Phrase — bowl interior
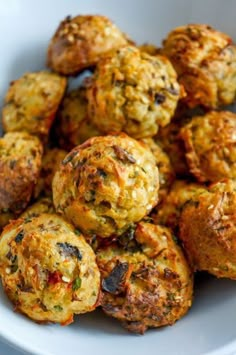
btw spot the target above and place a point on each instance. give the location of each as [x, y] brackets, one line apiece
[26, 27]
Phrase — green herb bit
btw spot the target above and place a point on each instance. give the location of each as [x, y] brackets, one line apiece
[58, 308]
[76, 284]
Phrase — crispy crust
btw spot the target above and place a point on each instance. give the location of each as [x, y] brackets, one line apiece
[205, 61]
[166, 171]
[50, 164]
[32, 101]
[106, 184]
[210, 145]
[79, 43]
[73, 125]
[48, 272]
[133, 92]
[208, 230]
[156, 288]
[169, 211]
[20, 163]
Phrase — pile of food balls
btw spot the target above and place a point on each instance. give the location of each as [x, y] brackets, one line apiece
[113, 194]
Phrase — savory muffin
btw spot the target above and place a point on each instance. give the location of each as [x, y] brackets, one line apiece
[146, 281]
[210, 145]
[42, 205]
[48, 271]
[166, 171]
[50, 164]
[80, 42]
[106, 184]
[20, 163]
[133, 92]
[168, 138]
[208, 230]
[205, 61]
[168, 212]
[73, 125]
[32, 101]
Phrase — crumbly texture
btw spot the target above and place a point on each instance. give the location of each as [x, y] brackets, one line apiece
[168, 138]
[106, 184]
[20, 163]
[73, 125]
[42, 205]
[205, 61]
[149, 48]
[51, 161]
[147, 281]
[166, 171]
[168, 213]
[210, 145]
[208, 230]
[80, 42]
[133, 92]
[48, 272]
[32, 101]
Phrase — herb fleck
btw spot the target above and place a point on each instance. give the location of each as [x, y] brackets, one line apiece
[58, 308]
[19, 237]
[76, 284]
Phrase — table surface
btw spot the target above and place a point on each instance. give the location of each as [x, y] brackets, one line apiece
[7, 350]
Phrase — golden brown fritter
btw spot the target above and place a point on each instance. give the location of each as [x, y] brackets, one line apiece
[48, 272]
[20, 163]
[32, 101]
[106, 184]
[208, 230]
[42, 205]
[210, 145]
[146, 281]
[149, 48]
[73, 125]
[168, 138]
[205, 61]
[168, 213]
[50, 164]
[80, 42]
[166, 171]
[133, 92]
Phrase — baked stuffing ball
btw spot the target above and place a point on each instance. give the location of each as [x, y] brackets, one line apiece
[73, 125]
[32, 101]
[208, 230]
[42, 205]
[48, 272]
[80, 42]
[169, 139]
[106, 184]
[133, 92]
[20, 163]
[205, 61]
[146, 281]
[50, 164]
[210, 145]
[166, 171]
[168, 213]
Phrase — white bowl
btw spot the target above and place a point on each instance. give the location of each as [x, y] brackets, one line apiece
[210, 327]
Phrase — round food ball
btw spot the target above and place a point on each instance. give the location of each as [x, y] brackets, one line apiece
[169, 211]
[43, 205]
[80, 42]
[166, 171]
[210, 145]
[208, 230]
[48, 272]
[73, 125]
[20, 163]
[205, 61]
[50, 164]
[31, 103]
[133, 92]
[146, 284]
[106, 184]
